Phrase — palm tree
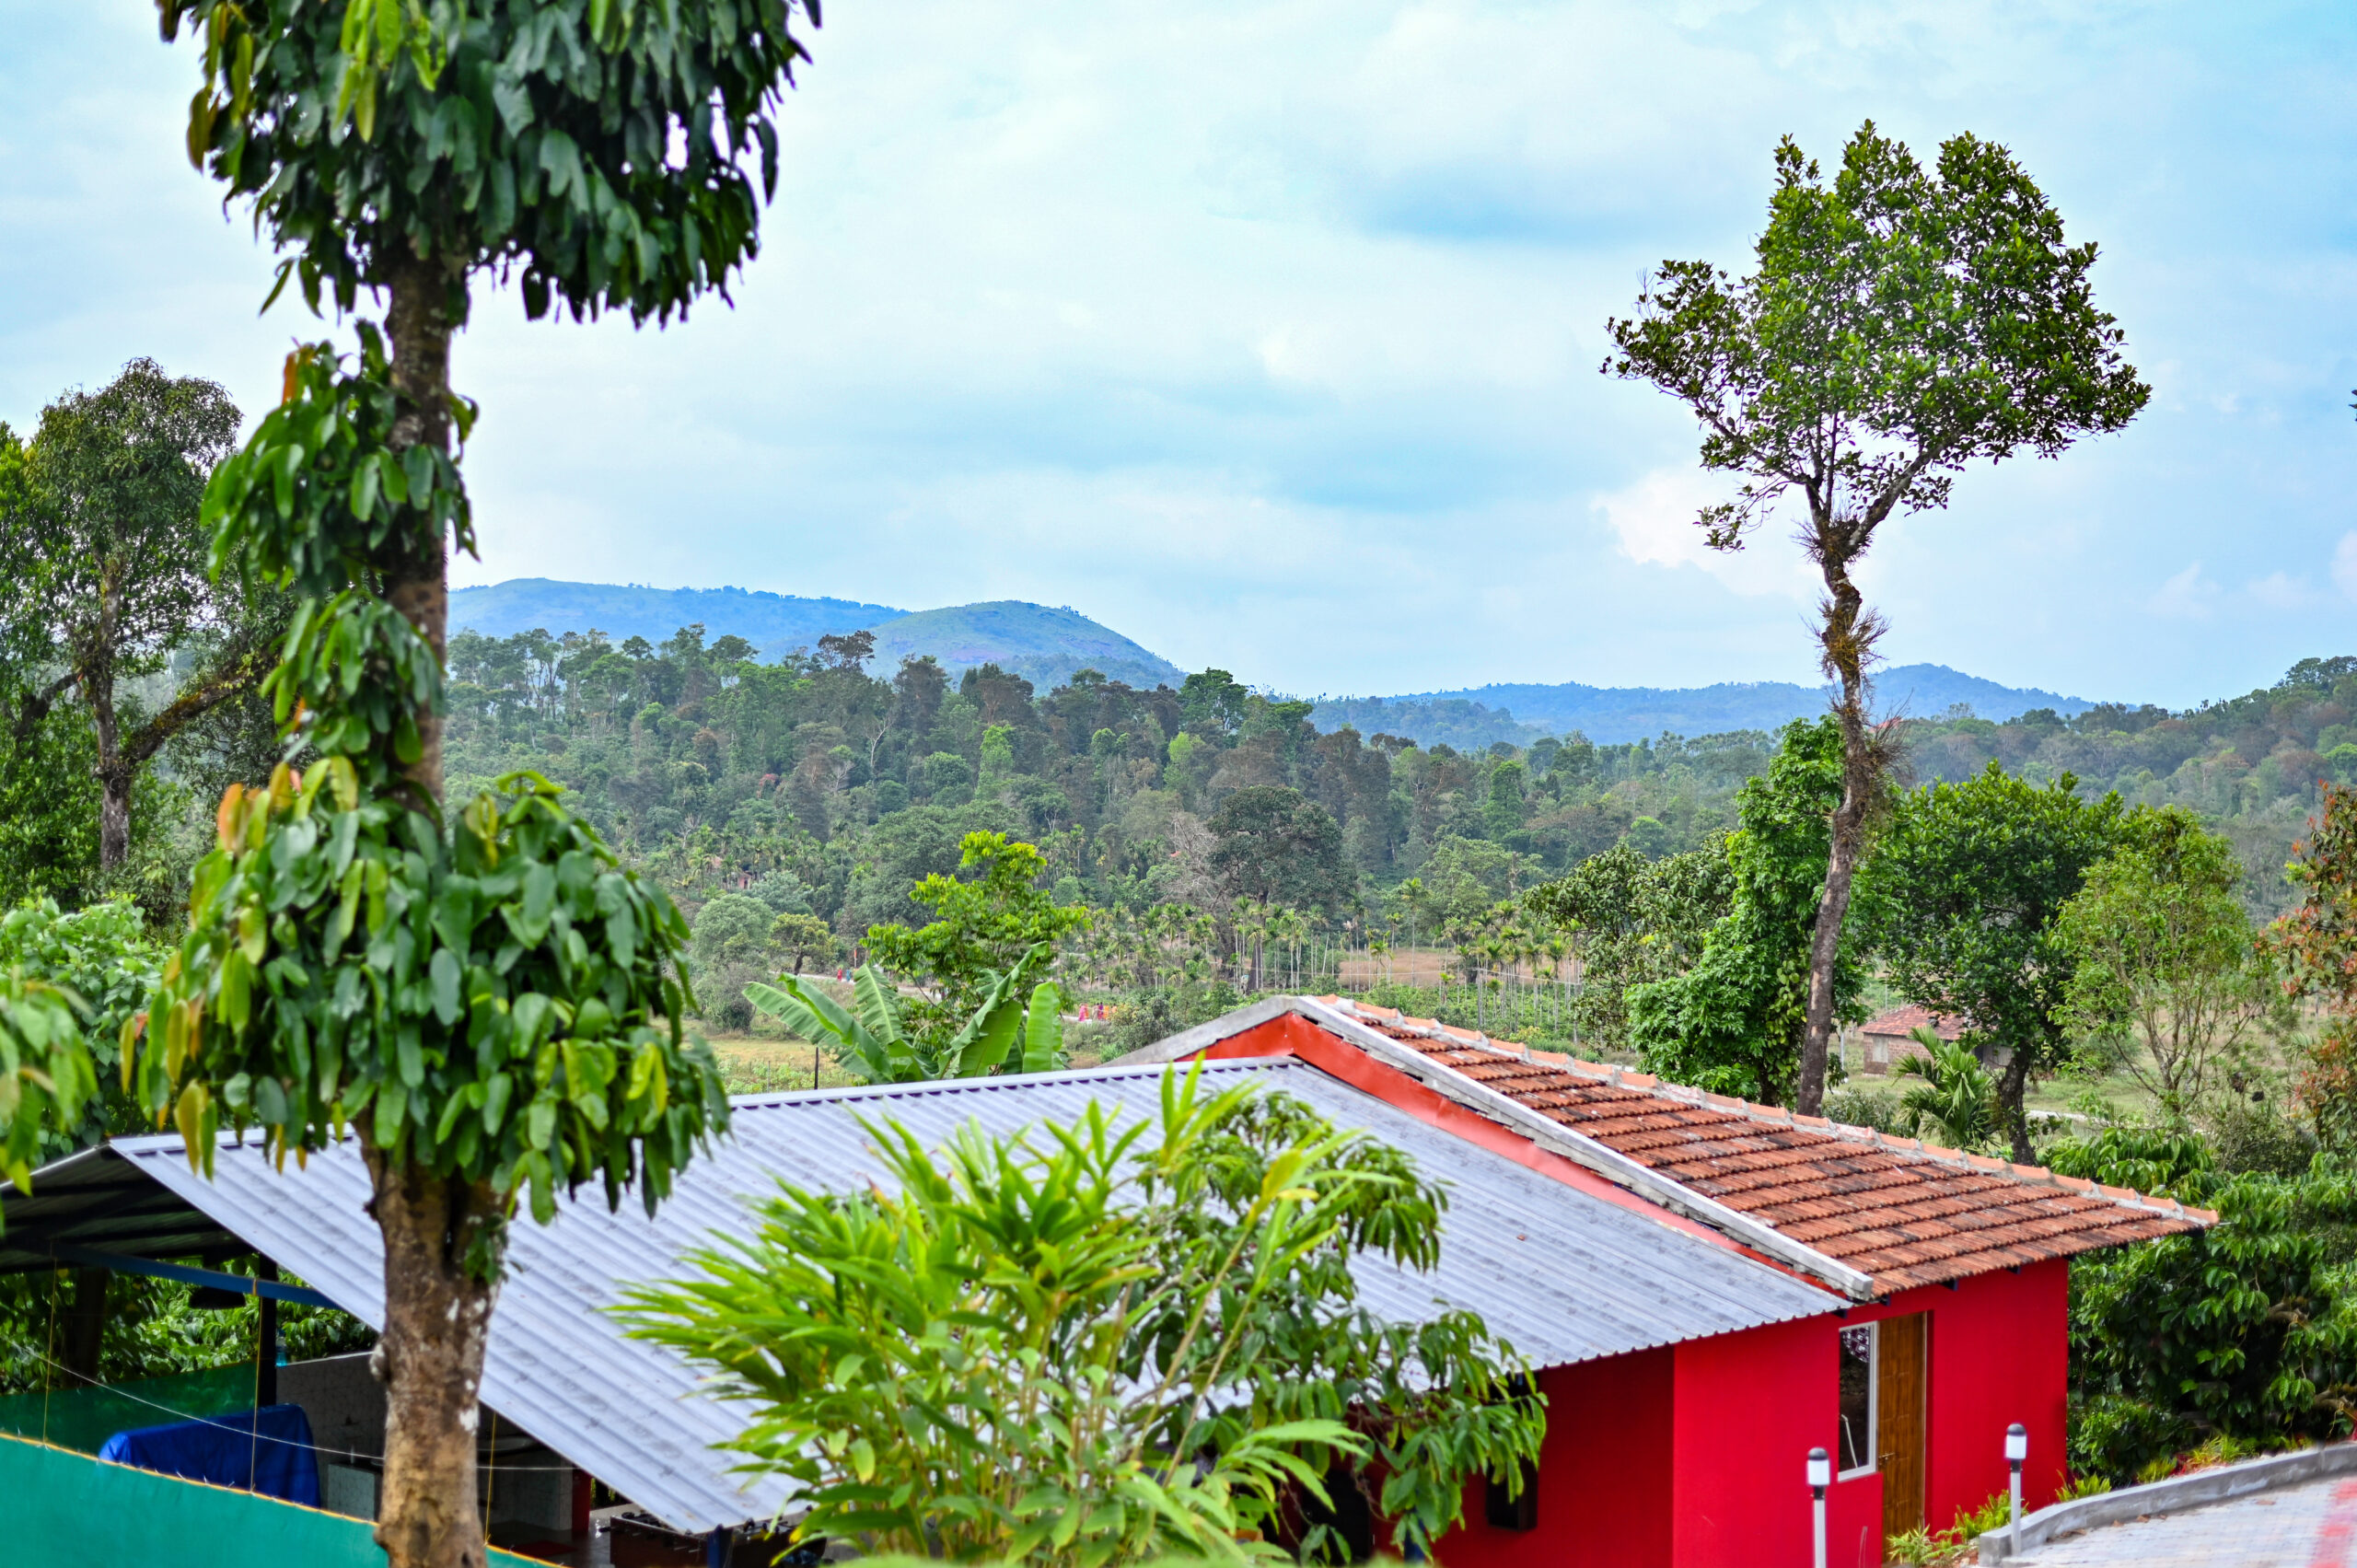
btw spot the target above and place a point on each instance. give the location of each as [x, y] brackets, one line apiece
[1957, 1094]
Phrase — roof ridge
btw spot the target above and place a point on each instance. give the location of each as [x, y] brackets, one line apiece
[1774, 1116]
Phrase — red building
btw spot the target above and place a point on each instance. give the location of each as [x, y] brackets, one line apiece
[1888, 1039]
[1944, 1278]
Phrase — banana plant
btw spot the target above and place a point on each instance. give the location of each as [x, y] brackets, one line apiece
[1006, 1034]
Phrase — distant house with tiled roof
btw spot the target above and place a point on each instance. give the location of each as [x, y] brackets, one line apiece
[1888, 1039]
[1944, 1278]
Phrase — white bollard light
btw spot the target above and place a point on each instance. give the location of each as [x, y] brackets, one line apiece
[1821, 1476]
[2017, 1450]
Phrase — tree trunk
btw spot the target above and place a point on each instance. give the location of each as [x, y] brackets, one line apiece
[2013, 1087]
[418, 322]
[437, 1321]
[1847, 641]
[94, 671]
[437, 1311]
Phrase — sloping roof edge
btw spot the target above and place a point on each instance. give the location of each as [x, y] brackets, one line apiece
[1581, 1150]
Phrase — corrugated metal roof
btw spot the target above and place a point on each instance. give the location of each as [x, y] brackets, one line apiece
[1564, 1276]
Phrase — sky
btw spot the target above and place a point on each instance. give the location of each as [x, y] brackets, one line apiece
[1269, 333]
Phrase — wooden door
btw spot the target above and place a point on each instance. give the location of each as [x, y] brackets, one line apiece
[1902, 1376]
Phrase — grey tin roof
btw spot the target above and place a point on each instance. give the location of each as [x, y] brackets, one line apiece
[1564, 1276]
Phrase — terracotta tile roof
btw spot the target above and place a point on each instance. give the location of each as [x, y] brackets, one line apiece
[1904, 1021]
[1906, 1213]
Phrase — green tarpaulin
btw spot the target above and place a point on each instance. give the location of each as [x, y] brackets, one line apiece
[66, 1510]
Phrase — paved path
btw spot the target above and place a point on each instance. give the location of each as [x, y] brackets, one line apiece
[2301, 1527]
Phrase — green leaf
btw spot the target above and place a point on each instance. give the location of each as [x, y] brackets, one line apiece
[1043, 1030]
[445, 974]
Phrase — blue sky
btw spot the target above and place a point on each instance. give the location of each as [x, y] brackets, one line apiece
[1268, 333]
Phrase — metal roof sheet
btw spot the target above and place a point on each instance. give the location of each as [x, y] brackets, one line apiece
[1564, 1276]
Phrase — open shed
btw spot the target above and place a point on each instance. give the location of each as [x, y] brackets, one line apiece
[1570, 1275]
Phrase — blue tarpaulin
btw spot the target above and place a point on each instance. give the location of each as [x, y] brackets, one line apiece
[271, 1455]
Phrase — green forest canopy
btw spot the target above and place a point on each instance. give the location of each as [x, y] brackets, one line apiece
[829, 790]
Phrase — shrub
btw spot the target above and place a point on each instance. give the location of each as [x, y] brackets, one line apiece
[1000, 1357]
[2243, 1332]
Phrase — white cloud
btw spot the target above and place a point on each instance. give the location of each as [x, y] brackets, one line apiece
[1654, 520]
[2189, 596]
[2281, 590]
[2344, 564]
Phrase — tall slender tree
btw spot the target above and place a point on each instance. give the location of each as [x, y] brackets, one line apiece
[1901, 323]
[483, 995]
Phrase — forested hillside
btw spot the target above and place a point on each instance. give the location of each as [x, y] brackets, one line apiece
[829, 787]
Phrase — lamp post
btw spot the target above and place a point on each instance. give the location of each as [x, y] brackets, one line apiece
[1821, 1476]
[2017, 1450]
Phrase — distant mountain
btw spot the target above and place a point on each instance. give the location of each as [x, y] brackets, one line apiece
[1042, 645]
[772, 623]
[1045, 647]
[1615, 714]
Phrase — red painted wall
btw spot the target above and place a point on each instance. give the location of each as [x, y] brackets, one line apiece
[1604, 1474]
[2001, 1350]
[1749, 1406]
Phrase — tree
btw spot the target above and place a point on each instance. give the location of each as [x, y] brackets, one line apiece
[2165, 981]
[1961, 902]
[1632, 920]
[508, 1019]
[987, 920]
[1736, 1022]
[803, 938]
[2317, 944]
[1900, 324]
[732, 929]
[101, 549]
[1065, 1310]
[1275, 846]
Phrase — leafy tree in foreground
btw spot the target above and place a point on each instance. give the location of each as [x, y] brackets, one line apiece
[1902, 323]
[2165, 979]
[482, 994]
[1019, 1354]
[102, 552]
[1736, 1022]
[1961, 902]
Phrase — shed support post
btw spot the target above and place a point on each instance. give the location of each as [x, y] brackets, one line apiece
[266, 1334]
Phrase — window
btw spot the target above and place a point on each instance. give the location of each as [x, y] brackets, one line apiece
[1857, 1440]
[1519, 1511]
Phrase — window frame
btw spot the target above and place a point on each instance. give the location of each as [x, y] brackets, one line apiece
[1873, 1403]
